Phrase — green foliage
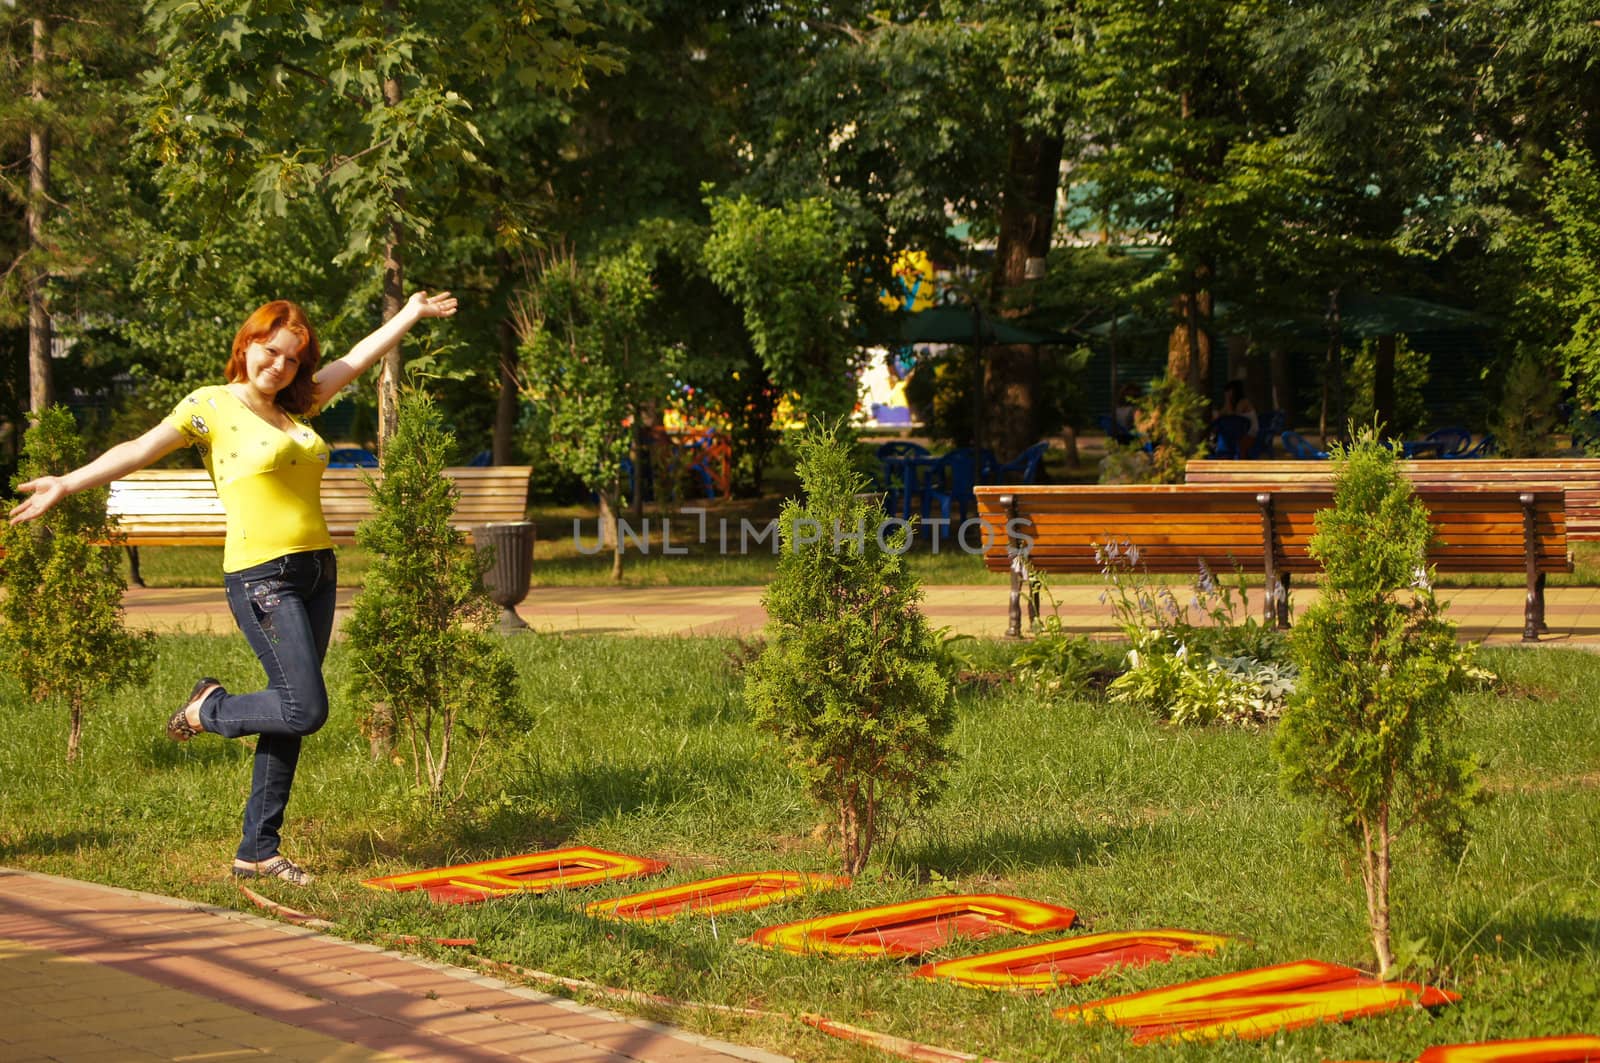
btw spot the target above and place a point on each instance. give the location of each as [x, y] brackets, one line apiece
[1221, 666]
[1530, 401]
[1172, 416]
[852, 682]
[61, 632]
[591, 361]
[1372, 733]
[788, 268]
[941, 389]
[1560, 303]
[428, 674]
[1410, 377]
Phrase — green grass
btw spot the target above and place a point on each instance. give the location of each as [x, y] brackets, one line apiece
[643, 746]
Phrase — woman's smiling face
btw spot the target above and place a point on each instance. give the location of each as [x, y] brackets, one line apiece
[272, 363]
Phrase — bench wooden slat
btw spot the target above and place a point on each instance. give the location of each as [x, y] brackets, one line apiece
[1579, 477]
[1478, 526]
[178, 507]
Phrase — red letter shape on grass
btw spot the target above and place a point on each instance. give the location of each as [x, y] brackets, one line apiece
[911, 928]
[1070, 960]
[1255, 1003]
[553, 869]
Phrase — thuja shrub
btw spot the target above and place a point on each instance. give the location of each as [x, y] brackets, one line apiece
[1372, 733]
[852, 681]
[61, 632]
[429, 676]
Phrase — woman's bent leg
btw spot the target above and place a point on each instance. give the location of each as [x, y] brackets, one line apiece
[285, 609]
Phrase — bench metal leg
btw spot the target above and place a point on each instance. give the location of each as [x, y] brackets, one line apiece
[1533, 607]
[133, 567]
[1019, 577]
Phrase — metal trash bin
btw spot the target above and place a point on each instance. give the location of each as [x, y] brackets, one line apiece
[510, 569]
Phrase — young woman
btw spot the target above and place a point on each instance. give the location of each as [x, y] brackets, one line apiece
[277, 559]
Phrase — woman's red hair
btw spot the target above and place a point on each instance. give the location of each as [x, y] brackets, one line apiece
[268, 319]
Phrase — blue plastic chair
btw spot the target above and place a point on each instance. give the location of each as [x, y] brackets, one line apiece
[352, 458]
[1022, 469]
[1271, 428]
[892, 486]
[1115, 432]
[949, 486]
[1300, 447]
[1486, 446]
[1228, 433]
[1444, 443]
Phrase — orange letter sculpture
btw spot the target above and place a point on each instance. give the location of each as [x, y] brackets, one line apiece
[1255, 1003]
[914, 927]
[553, 869]
[730, 893]
[1570, 1048]
[1070, 960]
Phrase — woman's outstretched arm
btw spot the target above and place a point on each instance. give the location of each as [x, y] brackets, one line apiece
[43, 493]
[335, 375]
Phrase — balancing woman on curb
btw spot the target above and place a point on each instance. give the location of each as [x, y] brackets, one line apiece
[277, 561]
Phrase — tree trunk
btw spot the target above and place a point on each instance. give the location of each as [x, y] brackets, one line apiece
[1383, 386]
[505, 411]
[1281, 392]
[1027, 220]
[394, 297]
[609, 526]
[1189, 344]
[75, 732]
[40, 391]
[1375, 877]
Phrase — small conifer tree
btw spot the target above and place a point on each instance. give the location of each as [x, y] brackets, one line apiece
[428, 673]
[1372, 732]
[852, 681]
[61, 631]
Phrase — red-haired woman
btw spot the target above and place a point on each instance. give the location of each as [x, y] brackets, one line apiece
[278, 562]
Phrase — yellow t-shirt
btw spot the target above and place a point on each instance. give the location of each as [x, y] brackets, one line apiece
[269, 480]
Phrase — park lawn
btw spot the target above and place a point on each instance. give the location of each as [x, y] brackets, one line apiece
[644, 746]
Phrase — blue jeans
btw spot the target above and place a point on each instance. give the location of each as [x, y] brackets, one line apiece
[285, 609]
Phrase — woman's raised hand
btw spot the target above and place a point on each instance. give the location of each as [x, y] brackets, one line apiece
[42, 493]
[441, 305]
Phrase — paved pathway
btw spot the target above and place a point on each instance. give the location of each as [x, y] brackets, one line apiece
[93, 973]
[1491, 614]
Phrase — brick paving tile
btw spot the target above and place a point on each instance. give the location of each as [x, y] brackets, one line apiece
[139, 975]
[456, 1022]
[576, 1053]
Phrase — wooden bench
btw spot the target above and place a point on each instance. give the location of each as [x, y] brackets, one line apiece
[179, 507]
[1580, 477]
[1175, 527]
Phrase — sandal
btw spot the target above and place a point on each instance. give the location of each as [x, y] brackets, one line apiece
[179, 729]
[274, 867]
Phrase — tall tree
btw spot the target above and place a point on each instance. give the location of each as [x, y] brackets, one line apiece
[1169, 99]
[263, 104]
[62, 72]
[591, 359]
[788, 269]
[898, 115]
